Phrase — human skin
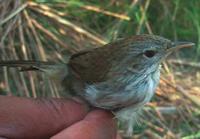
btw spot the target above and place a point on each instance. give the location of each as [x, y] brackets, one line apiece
[22, 118]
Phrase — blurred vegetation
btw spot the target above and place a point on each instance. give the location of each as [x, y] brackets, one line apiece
[51, 29]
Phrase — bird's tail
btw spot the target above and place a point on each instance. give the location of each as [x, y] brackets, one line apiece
[53, 69]
[26, 65]
[35, 65]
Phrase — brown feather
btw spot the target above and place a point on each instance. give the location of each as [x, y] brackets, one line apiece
[26, 65]
[92, 65]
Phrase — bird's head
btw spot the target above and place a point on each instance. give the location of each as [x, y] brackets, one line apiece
[145, 51]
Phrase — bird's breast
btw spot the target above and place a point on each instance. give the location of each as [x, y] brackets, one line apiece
[120, 93]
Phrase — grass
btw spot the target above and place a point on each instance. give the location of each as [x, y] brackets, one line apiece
[50, 30]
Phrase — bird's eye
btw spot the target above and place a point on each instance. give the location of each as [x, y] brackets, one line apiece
[149, 53]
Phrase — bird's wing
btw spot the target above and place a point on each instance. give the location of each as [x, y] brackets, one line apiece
[91, 65]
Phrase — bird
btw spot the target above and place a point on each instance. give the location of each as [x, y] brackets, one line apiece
[120, 76]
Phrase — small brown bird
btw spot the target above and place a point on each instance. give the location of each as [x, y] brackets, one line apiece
[120, 76]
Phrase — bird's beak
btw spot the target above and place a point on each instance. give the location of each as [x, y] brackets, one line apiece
[179, 45]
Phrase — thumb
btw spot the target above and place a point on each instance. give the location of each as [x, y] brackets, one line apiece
[37, 118]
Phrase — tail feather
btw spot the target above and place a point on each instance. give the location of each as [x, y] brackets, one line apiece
[26, 65]
[56, 71]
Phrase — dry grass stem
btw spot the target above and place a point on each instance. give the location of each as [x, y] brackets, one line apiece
[68, 24]
[15, 12]
[39, 47]
[99, 10]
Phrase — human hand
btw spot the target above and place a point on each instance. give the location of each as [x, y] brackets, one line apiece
[24, 118]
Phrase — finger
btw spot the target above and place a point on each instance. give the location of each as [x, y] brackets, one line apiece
[97, 124]
[37, 118]
[118, 136]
